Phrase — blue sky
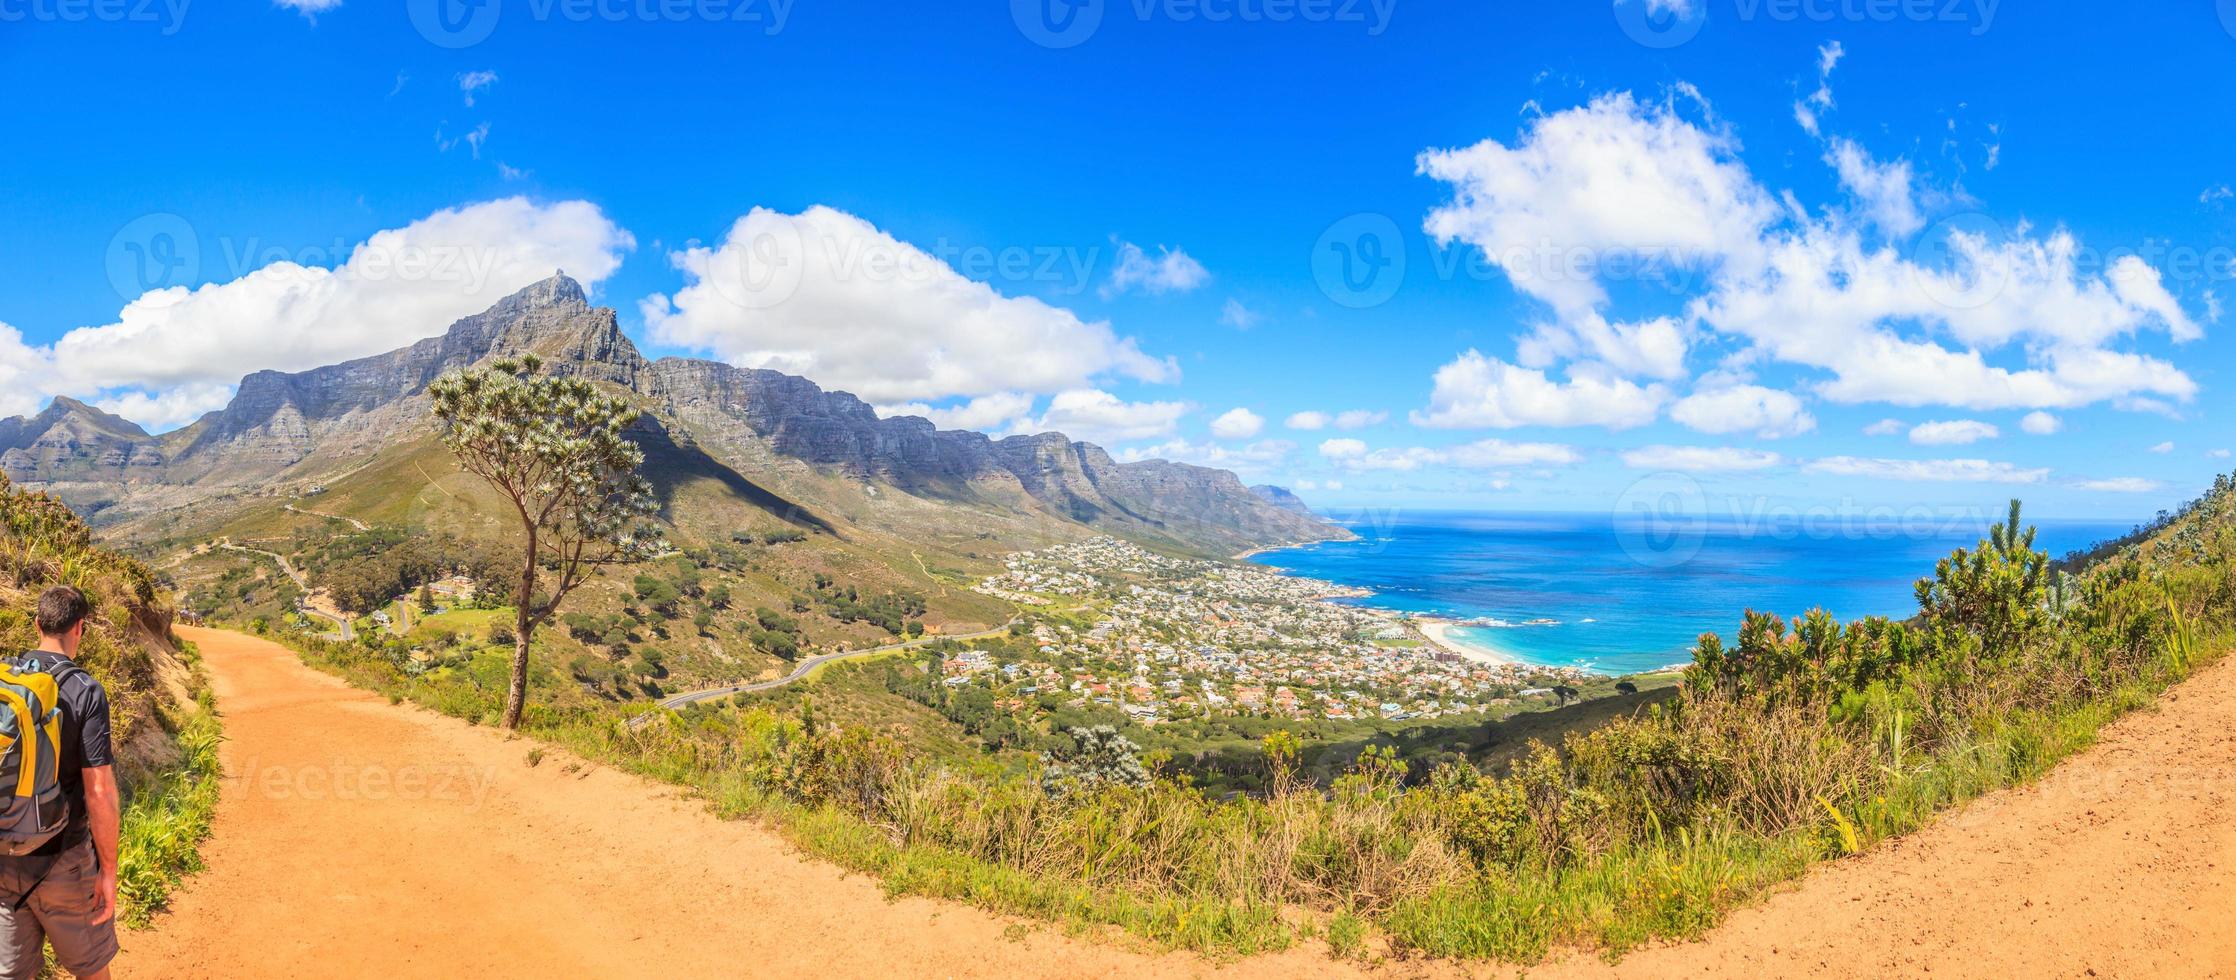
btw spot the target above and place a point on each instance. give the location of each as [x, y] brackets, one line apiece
[2084, 157]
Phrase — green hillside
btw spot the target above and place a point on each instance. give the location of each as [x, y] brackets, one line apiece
[165, 730]
[689, 620]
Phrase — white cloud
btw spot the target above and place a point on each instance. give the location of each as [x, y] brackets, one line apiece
[2121, 484]
[1767, 412]
[1169, 271]
[2215, 194]
[1489, 454]
[2040, 424]
[310, 9]
[1955, 432]
[23, 370]
[1000, 410]
[1608, 176]
[1929, 470]
[1699, 459]
[475, 81]
[172, 350]
[1238, 423]
[2163, 448]
[1093, 415]
[1824, 300]
[2217, 453]
[167, 409]
[1808, 110]
[1977, 315]
[1486, 454]
[1256, 458]
[1348, 420]
[1828, 56]
[1885, 427]
[1654, 348]
[473, 139]
[826, 295]
[1238, 316]
[1478, 392]
[1883, 189]
[1343, 448]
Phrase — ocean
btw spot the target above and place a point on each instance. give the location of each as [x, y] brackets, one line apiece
[1622, 596]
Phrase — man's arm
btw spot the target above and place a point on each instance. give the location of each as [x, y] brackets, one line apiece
[101, 810]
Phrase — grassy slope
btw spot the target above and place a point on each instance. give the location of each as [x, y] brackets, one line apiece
[164, 726]
[417, 487]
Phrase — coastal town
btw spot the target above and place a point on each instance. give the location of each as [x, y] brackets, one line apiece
[1167, 639]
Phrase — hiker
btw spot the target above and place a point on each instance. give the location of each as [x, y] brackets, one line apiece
[61, 889]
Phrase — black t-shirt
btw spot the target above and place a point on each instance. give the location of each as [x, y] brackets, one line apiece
[85, 744]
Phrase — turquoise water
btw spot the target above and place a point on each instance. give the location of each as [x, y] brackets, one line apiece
[1624, 596]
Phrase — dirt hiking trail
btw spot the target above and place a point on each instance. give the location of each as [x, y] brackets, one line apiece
[359, 838]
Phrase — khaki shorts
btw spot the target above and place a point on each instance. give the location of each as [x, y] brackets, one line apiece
[60, 911]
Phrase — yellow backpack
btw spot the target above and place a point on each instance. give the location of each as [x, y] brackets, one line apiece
[32, 808]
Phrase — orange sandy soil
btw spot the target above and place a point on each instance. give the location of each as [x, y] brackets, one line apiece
[357, 838]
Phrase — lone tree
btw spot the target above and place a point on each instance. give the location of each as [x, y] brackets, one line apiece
[553, 447]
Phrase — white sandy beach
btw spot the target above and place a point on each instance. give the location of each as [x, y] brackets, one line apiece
[1438, 631]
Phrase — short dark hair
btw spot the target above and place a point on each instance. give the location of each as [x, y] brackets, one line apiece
[60, 608]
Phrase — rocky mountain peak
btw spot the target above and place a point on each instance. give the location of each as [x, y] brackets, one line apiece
[558, 291]
[69, 413]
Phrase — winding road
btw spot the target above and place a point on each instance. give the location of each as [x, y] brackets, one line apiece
[351, 521]
[806, 667]
[303, 605]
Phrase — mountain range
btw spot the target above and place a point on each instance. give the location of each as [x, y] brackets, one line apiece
[812, 458]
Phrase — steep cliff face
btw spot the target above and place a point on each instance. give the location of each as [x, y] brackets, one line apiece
[291, 424]
[1282, 498]
[277, 419]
